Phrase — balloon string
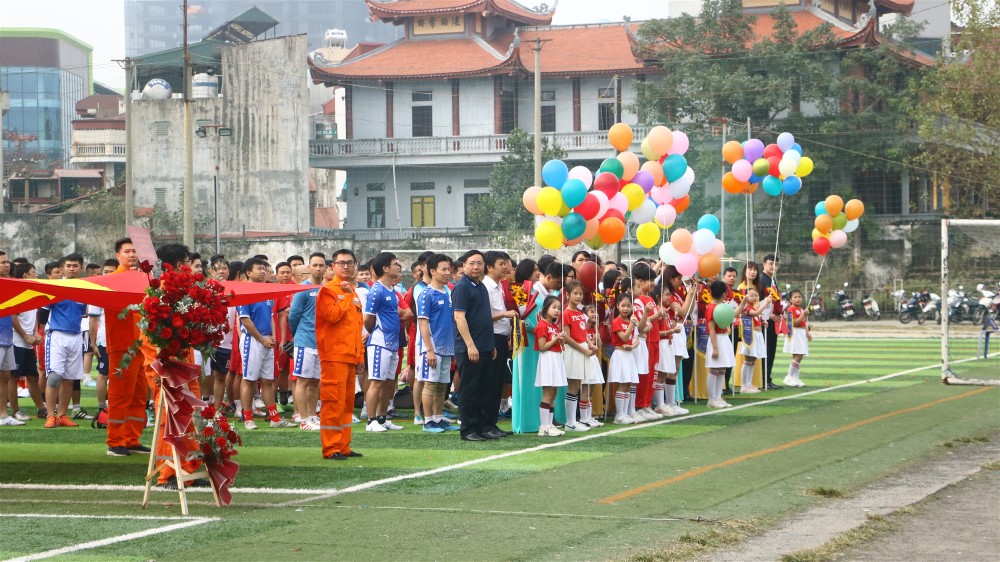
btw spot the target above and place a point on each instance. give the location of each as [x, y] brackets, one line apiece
[777, 237]
[817, 276]
[746, 226]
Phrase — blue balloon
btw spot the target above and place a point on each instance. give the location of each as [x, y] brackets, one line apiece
[711, 222]
[791, 185]
[754, 178]
[573, 226]
[821, 208]
[674, 167]
[573, 192]
[772, 186]
[555, 172]
[796, 148]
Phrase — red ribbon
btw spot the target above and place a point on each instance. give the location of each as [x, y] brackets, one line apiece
[223, 474]
[180, 402]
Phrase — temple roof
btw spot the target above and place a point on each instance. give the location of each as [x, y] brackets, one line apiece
[394, 10]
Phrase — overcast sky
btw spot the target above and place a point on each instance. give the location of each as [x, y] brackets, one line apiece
[101, 23]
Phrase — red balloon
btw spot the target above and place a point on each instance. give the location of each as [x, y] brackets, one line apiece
[589, 275]
[614, 213]
[772, 150]
[607, 182]
[681, 205]
[821, 245]
[588, 209]
[774, 161]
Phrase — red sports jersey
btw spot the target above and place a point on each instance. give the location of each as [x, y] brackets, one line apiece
[576, 321]
[709, 312]
[666, 324]
[619, 325]
[797, 313]
[653, 336]
[547, 330]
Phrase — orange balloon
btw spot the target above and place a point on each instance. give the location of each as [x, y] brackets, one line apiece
[834, 204]
[854, 209]
[750, 188]
[733, 185]
[732, 151]
[824, 223]
[593, 228]
[681, 240]
[630, 162]
[709, 265]
[612, 230]
[660, 139]
[529, 199]
[681, 205]
[620, 136]
[656, 169]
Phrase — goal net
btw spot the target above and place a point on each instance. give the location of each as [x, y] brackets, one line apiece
[970, 299]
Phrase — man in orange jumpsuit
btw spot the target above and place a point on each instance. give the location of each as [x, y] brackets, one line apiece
[338, 339]
[127, 388]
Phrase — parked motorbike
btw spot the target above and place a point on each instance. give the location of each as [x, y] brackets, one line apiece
[907, 309]
[985, 304]
[818, 309]
[846, 306]
[871, 306]
[961, 306]
[930, 307]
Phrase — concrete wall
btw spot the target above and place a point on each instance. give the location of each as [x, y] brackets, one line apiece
[263, 166]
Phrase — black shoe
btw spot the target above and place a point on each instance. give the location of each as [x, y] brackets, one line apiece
[199, 483]
[337, 457]
[118, 452]
[473, 437]
[354, 454]
[170, 484]
[139, 450]
[772, 386]
[502, 432]
[492, 434]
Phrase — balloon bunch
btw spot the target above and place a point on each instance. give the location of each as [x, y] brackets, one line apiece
[699, 251]
[834, 220]
[579, 206]
[777, 168]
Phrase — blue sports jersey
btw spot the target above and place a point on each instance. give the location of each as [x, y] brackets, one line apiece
[6, 331]
[65, 316]
[260, 313]
[383, 304]
[435, 306]
[302, 317]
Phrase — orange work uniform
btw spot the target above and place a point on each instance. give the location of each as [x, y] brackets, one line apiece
[338, 339]
[127, 388]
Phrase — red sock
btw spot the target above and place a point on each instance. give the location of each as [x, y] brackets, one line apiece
[247, 415]
[272, 413]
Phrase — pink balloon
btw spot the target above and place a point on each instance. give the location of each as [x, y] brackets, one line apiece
[602, 198]
[593, 227]
[680, 144]
[838, 238]
[660, 195]
[686, 264]
[742, 170]
[666, 215]
[583, 174]
[619, 202]
[719, 249]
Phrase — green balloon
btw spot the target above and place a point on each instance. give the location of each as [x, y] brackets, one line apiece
[723, 315]
[761, 167]
[614, 166]
[839, 221]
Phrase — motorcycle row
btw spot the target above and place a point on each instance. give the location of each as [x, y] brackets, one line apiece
[962, 307]
[844, 305]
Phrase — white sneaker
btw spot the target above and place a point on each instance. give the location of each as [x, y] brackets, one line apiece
[364, 412]
[281, 423]
[799, 383]
[258, 413]
[624, 420]
[249, 424]
[389, 425]
[375, 427]
[578, 426]
[641, 416]
[23, 393]
[89, 382]
[749, 390]
[664, 410]
[258, 403]
[679, 410]
[355, 419]
[418, 420]
[725, 404]
[713, 403]
[21, 416]
[10, 420]
[297, 418]
[593, 423]
[553, 431]
[653, 415]
[308, 425]
[789, 381]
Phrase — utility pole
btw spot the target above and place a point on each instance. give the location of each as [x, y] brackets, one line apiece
[538, 127]
[188, 198]
[129, 186]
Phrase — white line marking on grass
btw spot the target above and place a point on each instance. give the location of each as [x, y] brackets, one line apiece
[393, 479]
[508, 513]
[130, 488]
[185, 523]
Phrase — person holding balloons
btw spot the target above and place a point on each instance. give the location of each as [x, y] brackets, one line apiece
[752, 345]
[798, 338]
[719, 354]
[681, 301]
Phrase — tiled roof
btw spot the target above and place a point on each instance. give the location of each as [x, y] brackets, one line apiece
[417, 59]
[904, 7]
[81, 174]
[580, 49]
[394, 9]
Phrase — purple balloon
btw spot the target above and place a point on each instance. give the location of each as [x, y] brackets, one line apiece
[644, 179]
[752, 150]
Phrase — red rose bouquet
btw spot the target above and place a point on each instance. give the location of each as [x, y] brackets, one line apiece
[218, 440]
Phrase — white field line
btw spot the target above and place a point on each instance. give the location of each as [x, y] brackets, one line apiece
[187, 522]
[325, 493]
[508, 513]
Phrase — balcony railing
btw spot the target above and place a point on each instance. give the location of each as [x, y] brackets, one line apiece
[98, 150]
[485, 144]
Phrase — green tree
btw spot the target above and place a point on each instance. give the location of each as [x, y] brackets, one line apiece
[959, 113]
[501, 209]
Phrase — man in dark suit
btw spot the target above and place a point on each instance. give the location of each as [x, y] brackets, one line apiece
[770, 265]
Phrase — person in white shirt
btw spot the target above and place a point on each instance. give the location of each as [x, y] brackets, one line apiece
[497, 267]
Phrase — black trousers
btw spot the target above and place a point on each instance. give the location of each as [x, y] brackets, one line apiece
[772, 348]
[481, 386]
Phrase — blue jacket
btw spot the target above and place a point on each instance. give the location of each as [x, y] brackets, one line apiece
[302, 317]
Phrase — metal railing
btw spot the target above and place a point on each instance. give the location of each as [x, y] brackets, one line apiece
[89, 150]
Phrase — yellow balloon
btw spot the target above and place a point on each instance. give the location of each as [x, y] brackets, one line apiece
[818, 234]
[564, 210]
[805, 167]
[647, 234]
[549, 235]
[549, 201]
[635, 195]
[648, 152]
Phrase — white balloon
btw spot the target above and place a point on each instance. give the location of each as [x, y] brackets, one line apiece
[668, 253]
[644, 213]
[785, 141]
[688, 177]
[792, 155]
[719, 249]
[678, 190]
[583, 174]
[787, 167]
[851, 226]
[703, 240]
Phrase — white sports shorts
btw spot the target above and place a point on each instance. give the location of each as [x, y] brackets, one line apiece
[306, 363]
[258, 361]
[64, 355]
[382, 363]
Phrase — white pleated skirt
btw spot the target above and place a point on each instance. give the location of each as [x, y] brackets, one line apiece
[680, 344]
[594, 374]
[576, 364]
[757, 349]
[726, 358]
[551, 370]
[622, 367]
[667, 363]
[641, 356]
[797, 343]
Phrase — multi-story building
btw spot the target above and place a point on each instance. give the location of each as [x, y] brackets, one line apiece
[155, 25]
[99, 137]
[45, 72]
[427, 116]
